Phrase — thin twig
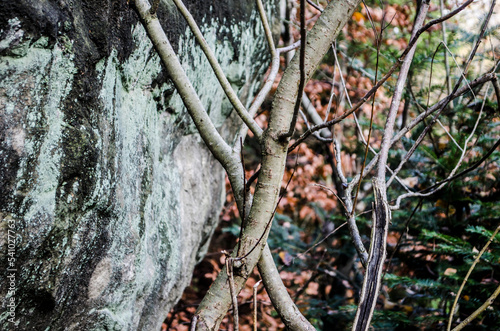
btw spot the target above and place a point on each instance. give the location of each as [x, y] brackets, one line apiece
[422, 110]
[252, 178]
[275, 65]
[478, 81]
[315, 274]
[255, 287]
[267, 29]
[229, 270]
[446, 64]
[302, 81]
[333, 192]
[360, 132]
[460, 174]
[419, 204]
[449, 135]
[275, 62]
[382, 80]
[479, 310]
[457, 85]
[458, 65]
[315, 134]
[434, 188]
[353, 227]
[338, 161]
[378, 39]
[322, 240]
[315, 117]
[214, 141]
[273, 72]
[476, 260]
[398, 93]
[194, 322]
[243, 214]
[463, 149]
[289, 48]
[285, 306]
[273, 213]
[315, 6]
[382, 215]
[224, 82]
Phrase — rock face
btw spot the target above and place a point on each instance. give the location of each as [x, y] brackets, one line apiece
[108, 197]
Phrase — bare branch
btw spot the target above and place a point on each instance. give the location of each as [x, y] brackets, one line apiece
[289, 48]
[207, 130]
[428, 127]
[478, 81]
[322, 240]
[271, 274]
[382, 80]
[353, 227]
[360, 132]
[378, 250]
[398, 92]
[460, 174]
[378, 39]
[217, 301]
[449, 135]
[215, 143]
[234, 295]
[315, 6]
[446, 64]
[315, 134]
[286, 308]
[348, 205]
[338, 161]
[381, 213]
[313, 114]
[194, 323]
[398, 244]
[434, 188]
[255, 286]
[267, 29]
[335, 194]
[476, 260]
[226, 86]
[302, 81]
[459, 162]
[275, 63]
[479, 310]
[363, 140]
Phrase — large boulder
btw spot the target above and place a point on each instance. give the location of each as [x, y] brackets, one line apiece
[108, 197]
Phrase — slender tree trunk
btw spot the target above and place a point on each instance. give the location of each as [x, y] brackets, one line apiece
[274, 151]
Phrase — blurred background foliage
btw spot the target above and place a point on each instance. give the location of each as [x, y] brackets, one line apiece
[433, 240]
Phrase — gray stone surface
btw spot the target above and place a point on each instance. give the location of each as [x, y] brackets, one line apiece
[110, 194]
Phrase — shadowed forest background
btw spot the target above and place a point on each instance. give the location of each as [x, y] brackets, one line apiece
[432, 240]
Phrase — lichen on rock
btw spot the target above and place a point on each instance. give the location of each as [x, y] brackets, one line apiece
[113, 195]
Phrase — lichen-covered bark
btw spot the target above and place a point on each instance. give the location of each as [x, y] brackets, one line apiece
[113, 196]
